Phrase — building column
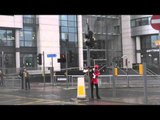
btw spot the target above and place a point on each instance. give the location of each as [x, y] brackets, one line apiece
[138, 47]
[80, 42]
[17, 32]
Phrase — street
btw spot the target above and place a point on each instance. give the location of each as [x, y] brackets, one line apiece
[56, 95]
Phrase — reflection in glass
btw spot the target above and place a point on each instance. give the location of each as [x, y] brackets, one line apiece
[64, 23]
[69, 27]
[71, 17]
[64, 29]
[63, 17]
[2, 34]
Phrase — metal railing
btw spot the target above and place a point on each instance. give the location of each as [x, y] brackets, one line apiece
[105, 81]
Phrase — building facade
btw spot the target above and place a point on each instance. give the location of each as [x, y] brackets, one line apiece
[22, 37]
[144, 36]
[107, 32]
[121, 40]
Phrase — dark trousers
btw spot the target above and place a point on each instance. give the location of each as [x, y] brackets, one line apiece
[22, 85]
[92, 90]
[1, 82]
[27, 83]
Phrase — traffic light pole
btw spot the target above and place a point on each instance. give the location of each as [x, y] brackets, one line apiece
[66, 54]
[2, 61]
[88, 65]
[52, 73]
[44, 70]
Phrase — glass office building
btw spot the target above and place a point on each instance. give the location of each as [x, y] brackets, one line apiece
[107, 32]
[22, 37]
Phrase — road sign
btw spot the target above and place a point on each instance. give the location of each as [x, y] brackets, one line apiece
[155, 22]
[51, 55]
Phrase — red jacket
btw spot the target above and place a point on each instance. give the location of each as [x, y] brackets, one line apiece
[95, 75]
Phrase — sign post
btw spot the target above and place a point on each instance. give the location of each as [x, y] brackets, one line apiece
[52, 68]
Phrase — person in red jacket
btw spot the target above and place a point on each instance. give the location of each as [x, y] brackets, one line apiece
[94, 81]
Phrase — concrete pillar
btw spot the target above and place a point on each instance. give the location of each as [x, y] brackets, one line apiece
[80, 42]
[17, 41]
[138, 47]
[128, 43]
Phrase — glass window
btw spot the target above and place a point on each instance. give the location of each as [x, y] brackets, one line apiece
[28, 16]
[28, 28]
[21, 43]
[28, 21]
[133, 23]
[28, 60]
[28, 43]
[3, 34]
[145, 21]
[149, 19]
[6, 37]
[75, 38]
[21, 35]
[64, 23]
[28, 35]
[138, 22]
[63, 36]
[33, 36]
[10, 35]
[71, 17]
[148, 43]
[9, 43]
[72, 29]
[68, 26]
[63, 17]
[71, 37]
[71, 24]
[153, 39]
[64, 29]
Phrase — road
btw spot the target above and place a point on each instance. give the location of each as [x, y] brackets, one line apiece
[53, 95]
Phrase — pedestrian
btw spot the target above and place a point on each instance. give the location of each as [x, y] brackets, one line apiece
[94, 81]
[1, 78]
[26, 79]
[22, 79]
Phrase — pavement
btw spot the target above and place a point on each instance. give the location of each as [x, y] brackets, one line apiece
[62, 95]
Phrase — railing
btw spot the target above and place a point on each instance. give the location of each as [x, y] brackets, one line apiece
[106, 81]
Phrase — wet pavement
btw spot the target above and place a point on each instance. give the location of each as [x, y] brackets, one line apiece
[56, 95]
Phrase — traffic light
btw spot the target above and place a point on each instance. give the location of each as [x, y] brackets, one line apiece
[71, 56]
[90, 39]
[62, 58]
[39, 59]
